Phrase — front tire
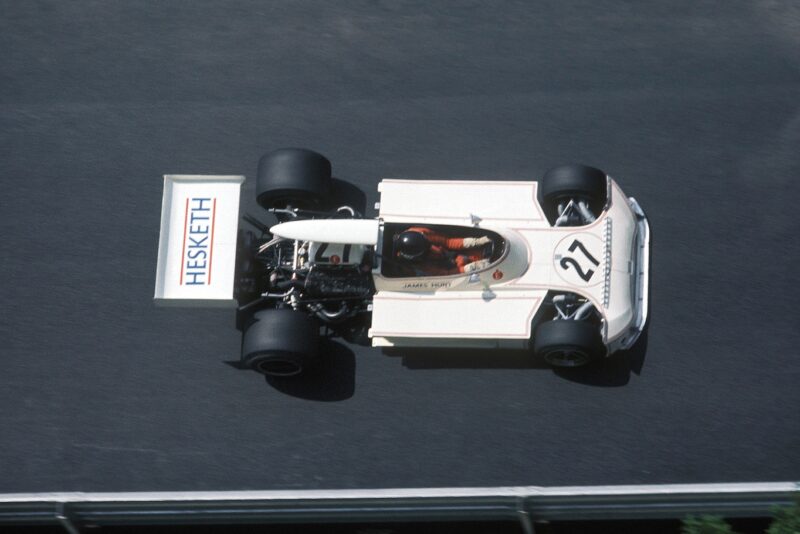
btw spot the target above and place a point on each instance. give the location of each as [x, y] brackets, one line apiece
[281, 343]
[292, 177]
[574, 182]
[568, 343]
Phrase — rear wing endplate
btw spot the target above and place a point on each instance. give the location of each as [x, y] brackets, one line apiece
[197, 243]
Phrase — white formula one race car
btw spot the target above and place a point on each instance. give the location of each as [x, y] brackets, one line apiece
[559, 266]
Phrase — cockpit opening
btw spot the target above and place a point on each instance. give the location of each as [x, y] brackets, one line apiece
[417, 250]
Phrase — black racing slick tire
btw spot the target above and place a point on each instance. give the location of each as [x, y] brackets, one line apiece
[292, 176]
[568, 343]
[574, 182]
[280, 342]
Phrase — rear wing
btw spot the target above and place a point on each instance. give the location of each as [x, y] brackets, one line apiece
[197, 243]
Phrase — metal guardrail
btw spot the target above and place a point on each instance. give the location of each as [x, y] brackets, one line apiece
[526, 504]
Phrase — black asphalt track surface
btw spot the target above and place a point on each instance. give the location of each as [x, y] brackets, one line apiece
[692, 106]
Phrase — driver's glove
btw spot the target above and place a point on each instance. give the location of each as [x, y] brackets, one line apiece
[474, 242]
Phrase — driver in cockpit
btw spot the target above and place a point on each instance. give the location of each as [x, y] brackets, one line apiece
[430, 253]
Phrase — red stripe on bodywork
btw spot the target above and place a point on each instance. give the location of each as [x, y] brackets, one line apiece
[183, 247]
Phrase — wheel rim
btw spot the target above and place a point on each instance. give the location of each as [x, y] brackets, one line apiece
[278, 367]
[567, 357]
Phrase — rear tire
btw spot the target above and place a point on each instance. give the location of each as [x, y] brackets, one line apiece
[568, 343]
[292, 176]
[281, 343]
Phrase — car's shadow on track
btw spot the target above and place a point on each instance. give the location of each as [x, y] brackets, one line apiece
[614, 371]
[610, 372]
[333, 379]
[465, 359]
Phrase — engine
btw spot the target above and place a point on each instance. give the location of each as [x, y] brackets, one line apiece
[352, 282]
[330, 281]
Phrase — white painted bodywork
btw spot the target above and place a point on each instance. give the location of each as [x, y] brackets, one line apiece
[197, 242]
[488, 310]
[501, 204]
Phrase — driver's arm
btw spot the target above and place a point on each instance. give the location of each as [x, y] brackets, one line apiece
[452, 243]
